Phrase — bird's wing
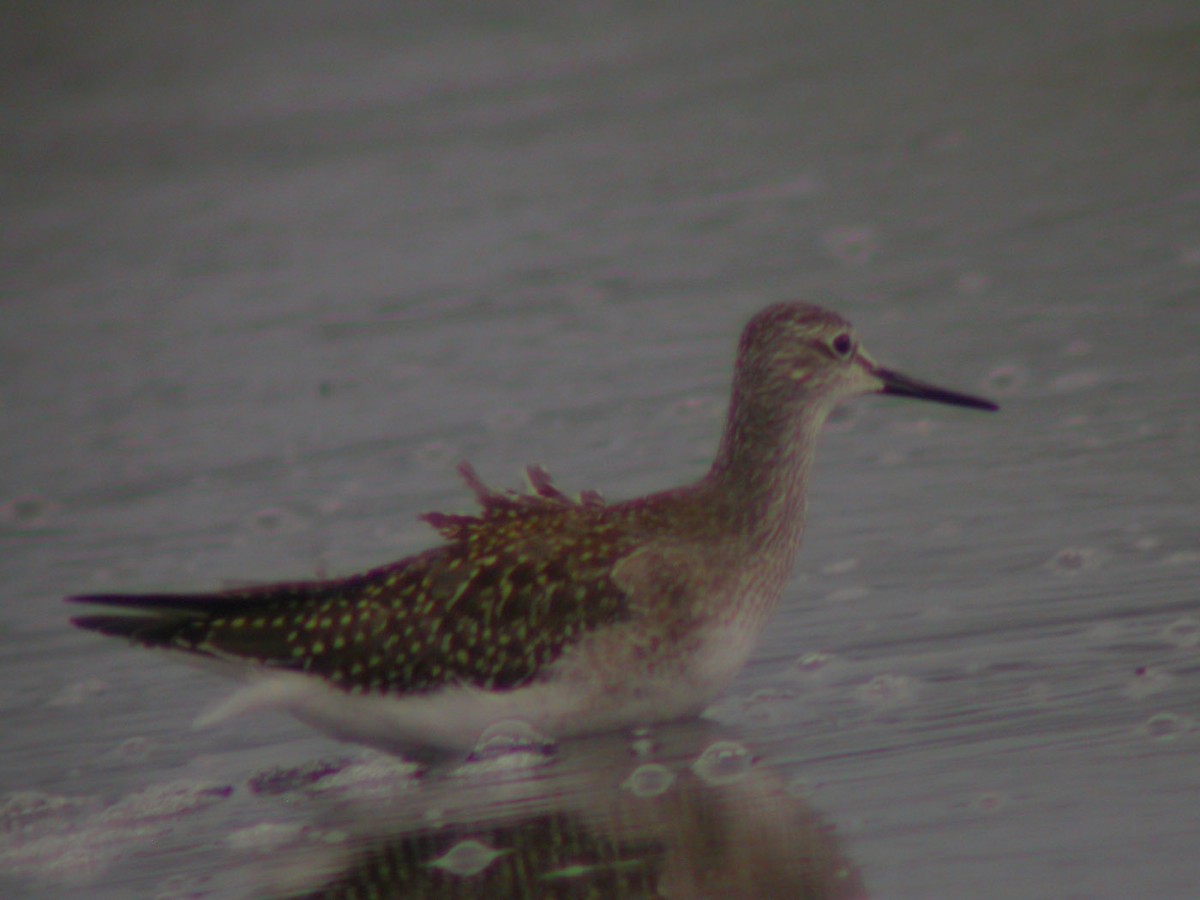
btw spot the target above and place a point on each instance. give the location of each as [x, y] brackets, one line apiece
[503, 597]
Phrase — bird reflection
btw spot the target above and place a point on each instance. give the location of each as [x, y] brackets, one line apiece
[599, 821]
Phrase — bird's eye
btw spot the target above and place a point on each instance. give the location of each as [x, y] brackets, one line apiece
[842, 345]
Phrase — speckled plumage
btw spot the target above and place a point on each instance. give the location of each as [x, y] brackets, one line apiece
[572, 613]
[489, 607]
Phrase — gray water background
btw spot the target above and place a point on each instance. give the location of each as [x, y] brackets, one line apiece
[270, 270]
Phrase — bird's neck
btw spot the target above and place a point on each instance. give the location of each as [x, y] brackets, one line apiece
[759, 478]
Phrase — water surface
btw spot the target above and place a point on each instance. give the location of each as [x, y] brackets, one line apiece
[270, 271]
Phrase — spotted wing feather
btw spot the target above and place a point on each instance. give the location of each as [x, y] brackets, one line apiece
[505, 596]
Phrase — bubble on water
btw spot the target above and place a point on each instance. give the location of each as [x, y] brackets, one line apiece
[1184, 632]
[279, 780]
[273, 518]
[854, 245]
[73, 837]
[723, 762]
[1075, 381]
[1166, 726]
[510, 736]
[946, 141]
[1105, 633]
[506, 418]
[1006, 380]
[972, 283]
[164, 801]
[699, 408]
[840, 567]
[803, 185]
[847, 594]
[467, 858]
[649, 780]
[27, 511]
[135, 749]
[25, 812]
[817, 668]
[727, 711]
[888, 691]
[373, 777]
[1039, 694]
[436, 455]
[642, 743]
[506, 745]
[811, 663]
[921, 427]
[1146, 682]
[588, 298]
[763, 714]
[184, 887]
[843, 419]
[265, 836]
[1077, 347]
[1074, 560]
[939, 612]
[79, 693]
[331, 506]
[989, 802]
[768, 706]
[1145, 542]
[800, 788]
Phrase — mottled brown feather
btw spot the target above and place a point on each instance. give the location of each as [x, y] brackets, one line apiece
[511, 588]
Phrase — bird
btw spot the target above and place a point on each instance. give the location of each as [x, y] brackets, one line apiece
[566, 614]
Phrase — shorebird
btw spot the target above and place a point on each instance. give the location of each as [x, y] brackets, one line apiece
[568, 614]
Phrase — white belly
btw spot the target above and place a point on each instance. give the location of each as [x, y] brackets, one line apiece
[595, 688]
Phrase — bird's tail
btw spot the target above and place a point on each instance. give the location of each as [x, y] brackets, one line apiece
[155, 620]
[235, 622]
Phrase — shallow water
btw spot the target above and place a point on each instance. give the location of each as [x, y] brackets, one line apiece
[269, 272]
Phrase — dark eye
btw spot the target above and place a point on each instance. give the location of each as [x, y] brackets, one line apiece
[842, 345]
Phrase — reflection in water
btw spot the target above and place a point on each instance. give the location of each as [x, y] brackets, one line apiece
[670, 812]
[599, 823]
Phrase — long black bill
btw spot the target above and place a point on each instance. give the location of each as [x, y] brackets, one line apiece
[903, 386]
